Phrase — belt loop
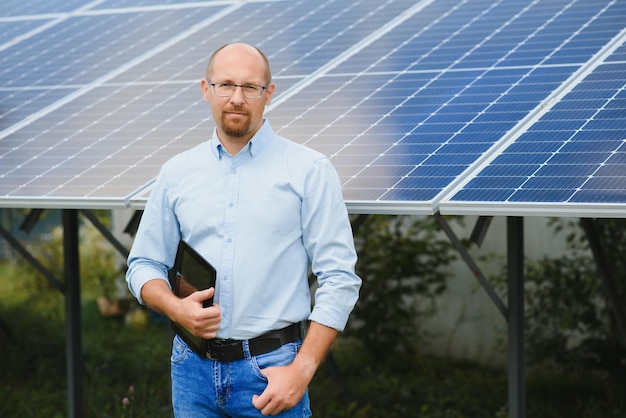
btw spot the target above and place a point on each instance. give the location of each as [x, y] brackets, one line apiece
[245, 345]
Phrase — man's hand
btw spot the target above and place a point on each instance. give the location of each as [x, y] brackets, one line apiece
[287, 384]
[188, 312]
[285, 388]
[200, 321]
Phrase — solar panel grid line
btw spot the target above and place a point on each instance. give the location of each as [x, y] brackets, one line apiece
[115, 72]
[91, 9]
[58, 15]
[118, 150]
[56, 19]
[88, 168]
[392, 78]
[170, 6]
[34, 17]
[329, 39]
[467, 53]
[582, 148]
[42, 28]
[382, 58]
[324, 70]
[575, 79]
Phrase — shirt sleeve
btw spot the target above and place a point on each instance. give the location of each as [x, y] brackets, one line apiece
[328, 238]
[156, 242]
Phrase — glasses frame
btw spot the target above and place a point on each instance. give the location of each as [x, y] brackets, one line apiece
[241, 86]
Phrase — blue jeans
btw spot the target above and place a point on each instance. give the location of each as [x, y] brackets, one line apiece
[203, 388]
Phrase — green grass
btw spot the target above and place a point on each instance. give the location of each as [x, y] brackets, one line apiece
[118, 357]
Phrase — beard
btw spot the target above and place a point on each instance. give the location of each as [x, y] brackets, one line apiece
[237, 127]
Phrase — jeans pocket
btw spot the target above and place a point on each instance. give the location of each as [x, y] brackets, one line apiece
[180, 351]
[282, 356]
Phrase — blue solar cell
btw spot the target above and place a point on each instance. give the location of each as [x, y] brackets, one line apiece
[412, 149]
[602, 124]
[482, 195]
[434, 183]
[552, 195]
[489, 127]
[618, 104]
[488, 138]
[607, 183]
[599, 196]
[616, 168]
[410, 195]
[81, 49]
[451, 159]
[511, 158]
[497, 182]
[14, 8]
[434, 170]
[503, 170]
[490, 115]
[570, 182]
[619, 157]
[599, 135]
[529, 147]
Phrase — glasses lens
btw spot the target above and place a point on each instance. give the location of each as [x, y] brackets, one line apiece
[252, 92]
[228, 89]
[224, 89]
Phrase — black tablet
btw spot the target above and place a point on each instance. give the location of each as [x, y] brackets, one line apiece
[191, 272]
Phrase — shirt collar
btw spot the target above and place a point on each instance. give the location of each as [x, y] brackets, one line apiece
[256, 144]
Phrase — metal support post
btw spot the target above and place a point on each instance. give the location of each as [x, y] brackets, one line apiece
[74, 351]
[517, 373]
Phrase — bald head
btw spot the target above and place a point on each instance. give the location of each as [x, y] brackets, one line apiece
[242, 49]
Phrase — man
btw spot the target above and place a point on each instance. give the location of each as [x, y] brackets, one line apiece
[261, 209]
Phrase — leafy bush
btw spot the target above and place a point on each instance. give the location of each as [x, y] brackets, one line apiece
[569, 319]
[98, 271]
[400, 262]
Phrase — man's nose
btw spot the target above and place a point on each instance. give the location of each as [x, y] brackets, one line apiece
[237, 96]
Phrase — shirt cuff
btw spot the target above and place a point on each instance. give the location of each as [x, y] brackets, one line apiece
[142, 276]
[330, 317]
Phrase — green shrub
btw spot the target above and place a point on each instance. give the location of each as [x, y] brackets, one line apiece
[570, 324]
[99, 274]
[400, 260]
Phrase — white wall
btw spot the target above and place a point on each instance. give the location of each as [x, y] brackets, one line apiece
[467, 323]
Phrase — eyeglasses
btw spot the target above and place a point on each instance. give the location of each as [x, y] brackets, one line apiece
[251, 91]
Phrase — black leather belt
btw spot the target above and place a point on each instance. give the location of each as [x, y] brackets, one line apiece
[231, 350]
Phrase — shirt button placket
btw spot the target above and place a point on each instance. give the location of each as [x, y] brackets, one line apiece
[228, 245]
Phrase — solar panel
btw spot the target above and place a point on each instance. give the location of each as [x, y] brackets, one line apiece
[572, 160]
[406, 98]
[457, 77]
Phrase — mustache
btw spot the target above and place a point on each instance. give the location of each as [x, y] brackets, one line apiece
[236, 109]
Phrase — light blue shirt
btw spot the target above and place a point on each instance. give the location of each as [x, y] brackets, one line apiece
[261, 217]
